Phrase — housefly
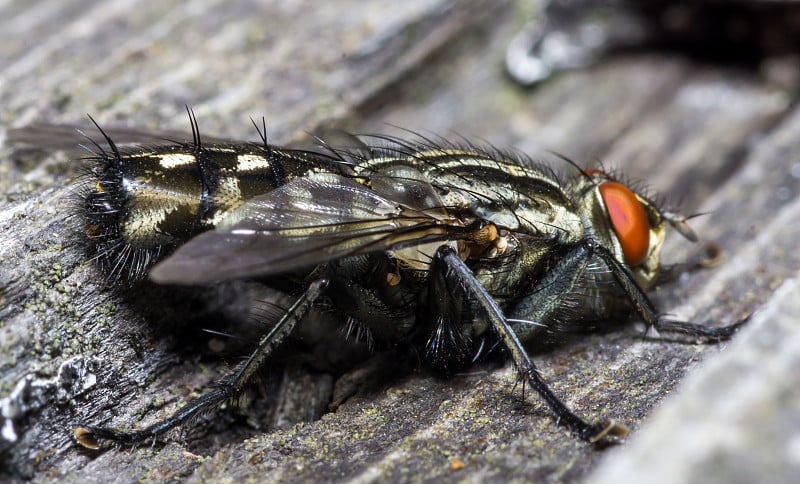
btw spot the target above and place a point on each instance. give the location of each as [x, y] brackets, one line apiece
[451, 249]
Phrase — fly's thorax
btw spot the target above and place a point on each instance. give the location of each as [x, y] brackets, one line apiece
[514, 197]
[625, 222]
[494, 187]
[512, 276]
[139, 204]
[508, 272]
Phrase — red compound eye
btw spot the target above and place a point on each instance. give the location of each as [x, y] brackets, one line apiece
[628, 219]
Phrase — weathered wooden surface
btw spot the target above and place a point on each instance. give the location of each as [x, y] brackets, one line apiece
[721, 140]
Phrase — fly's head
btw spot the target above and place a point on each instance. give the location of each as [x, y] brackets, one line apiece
[629, 224]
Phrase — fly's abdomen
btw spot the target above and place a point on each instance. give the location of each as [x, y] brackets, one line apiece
[139, 205]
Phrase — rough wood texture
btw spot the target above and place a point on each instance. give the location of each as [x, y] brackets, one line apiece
[723, 141]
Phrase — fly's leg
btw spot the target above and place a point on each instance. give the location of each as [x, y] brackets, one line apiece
[647, 311]
[591, 432]
[229, 388]
[549, 293]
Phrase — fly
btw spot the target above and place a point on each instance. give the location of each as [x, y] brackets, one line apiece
[452, 249]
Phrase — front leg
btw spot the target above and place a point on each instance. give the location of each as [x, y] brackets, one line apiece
[646, 310]
[539, 310]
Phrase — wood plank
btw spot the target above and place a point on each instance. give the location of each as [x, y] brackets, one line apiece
[722, 140]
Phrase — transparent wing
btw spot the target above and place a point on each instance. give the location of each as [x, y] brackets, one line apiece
[303, 223]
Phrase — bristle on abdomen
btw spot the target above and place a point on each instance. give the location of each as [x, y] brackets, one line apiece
[138, 204]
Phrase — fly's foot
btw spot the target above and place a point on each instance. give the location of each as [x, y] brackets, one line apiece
[89, 436]
[86, 437]
[607, 429]
[700, 333]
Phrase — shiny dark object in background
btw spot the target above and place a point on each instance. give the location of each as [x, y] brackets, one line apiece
[569, 34]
